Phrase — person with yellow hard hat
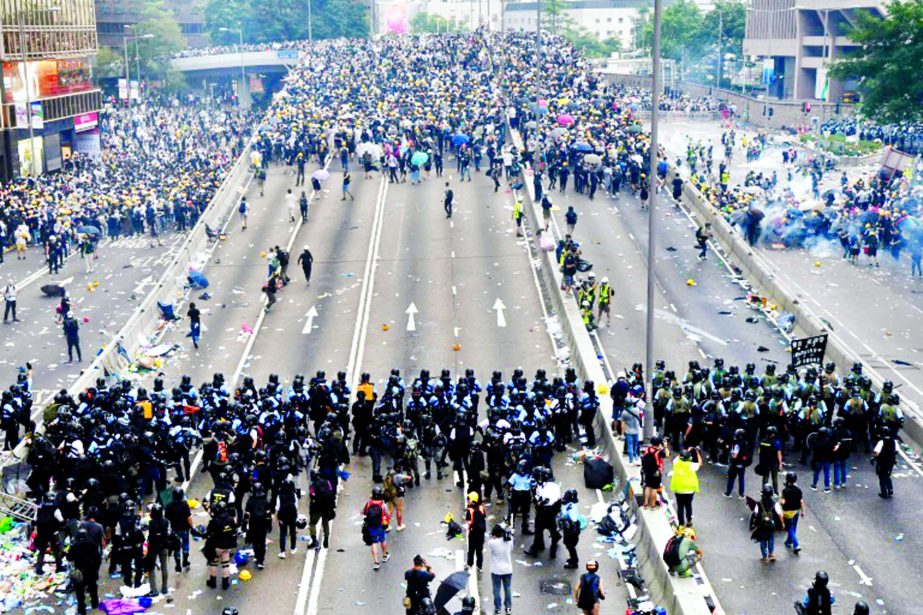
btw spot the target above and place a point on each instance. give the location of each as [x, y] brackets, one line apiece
[476, 522]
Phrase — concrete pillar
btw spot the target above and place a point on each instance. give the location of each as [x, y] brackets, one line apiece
[243, 92]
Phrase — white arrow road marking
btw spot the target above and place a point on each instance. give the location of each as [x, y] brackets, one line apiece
[309, 323]
[501, 319]
[411, 321]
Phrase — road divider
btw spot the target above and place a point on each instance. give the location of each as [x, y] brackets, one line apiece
[680, 596]
[763, 279]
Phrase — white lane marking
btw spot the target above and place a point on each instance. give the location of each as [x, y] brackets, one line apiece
[310, 591]
[309, 322]
[499, 307]
[456, 331]
[411, 312]
[864, 579]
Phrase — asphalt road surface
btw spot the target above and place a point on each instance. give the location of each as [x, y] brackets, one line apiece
[861, 540]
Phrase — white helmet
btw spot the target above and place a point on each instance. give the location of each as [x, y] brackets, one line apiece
[605, 279]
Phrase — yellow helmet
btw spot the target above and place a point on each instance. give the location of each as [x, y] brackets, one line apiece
[473, 497]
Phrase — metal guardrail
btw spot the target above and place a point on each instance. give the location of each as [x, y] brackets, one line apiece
[116, 353]
[758, 272]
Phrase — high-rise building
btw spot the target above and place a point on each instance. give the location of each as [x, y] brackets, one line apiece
[50, 103]
[113, 15]
[798, 42]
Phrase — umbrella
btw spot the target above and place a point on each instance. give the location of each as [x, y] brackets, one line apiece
[531, 125]
[537, 110]
[372, 148]
[419, 158]
[592, 159]
[558, 132]
[582, 146]
[53, 290]
[88, 230]
[198, 280]
[565, 119]
[321, 174]
[450, 586]
[572, 106]
[460, 139]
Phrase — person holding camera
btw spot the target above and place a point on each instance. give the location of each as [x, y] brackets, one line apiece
[547, 506]
[500, 546]
[418, 579]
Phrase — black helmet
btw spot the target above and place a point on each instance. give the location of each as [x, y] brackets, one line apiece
[767, 491]
[790, 478]
[569, 496]
[219, 507]
[156, 510]
[378, 493]
[861, 608]
[821, 579]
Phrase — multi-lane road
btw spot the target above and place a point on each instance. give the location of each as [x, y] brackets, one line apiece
[398, 285]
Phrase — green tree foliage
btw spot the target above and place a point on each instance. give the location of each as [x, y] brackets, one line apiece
[285, 20]
[425, 23]
[165, 38]
[109, 63]
[590, 44]
[889, 55]
[555, 15]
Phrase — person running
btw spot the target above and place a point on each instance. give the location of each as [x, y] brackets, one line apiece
[702, 236]
[376, 519]
[195, 324]
[306, 260]
[589, 591]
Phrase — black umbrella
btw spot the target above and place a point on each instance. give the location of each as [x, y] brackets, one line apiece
[53, 290]
[450, 586]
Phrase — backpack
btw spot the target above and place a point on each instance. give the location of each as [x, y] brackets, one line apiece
[221, 452]
[373, 515]
[671, 552]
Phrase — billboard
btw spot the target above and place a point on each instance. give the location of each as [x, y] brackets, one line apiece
[26, 151]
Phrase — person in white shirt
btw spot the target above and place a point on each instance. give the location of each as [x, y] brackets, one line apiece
[292, 204]
[9, 298]
[500, 547]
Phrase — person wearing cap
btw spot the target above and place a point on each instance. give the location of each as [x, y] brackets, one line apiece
[476, 520]
[604, 294]
[72, 335]
[418, 579]
[306, 260]
[589, 591]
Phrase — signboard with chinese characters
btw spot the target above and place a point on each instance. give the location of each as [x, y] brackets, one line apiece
[809, 350]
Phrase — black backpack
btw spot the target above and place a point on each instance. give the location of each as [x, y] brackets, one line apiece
[671, 551]
[373, 515]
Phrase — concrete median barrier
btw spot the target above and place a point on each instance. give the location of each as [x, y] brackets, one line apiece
[680, 596]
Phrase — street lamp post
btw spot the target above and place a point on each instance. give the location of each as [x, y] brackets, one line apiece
[21, 18]
[125, 39]
[720, 34]
[243, 76]
[310, 28]
[652, 178]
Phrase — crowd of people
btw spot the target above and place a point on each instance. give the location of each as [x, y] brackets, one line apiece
[210, 50]
[159, 167]
[907, 137]
[101, 469]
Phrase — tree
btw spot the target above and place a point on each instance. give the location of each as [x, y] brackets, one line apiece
[285, 20]
[726, 24]
[554, 10]
[889, 50]
[109, 63]
[425, 23]
[590, 44]
[165, 40]
[682, 31]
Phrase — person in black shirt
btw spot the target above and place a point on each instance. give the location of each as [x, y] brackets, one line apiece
[447, 202]
[86, 558]
[792, 508]
[885, 454]
[418, 579]
[195, 324]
